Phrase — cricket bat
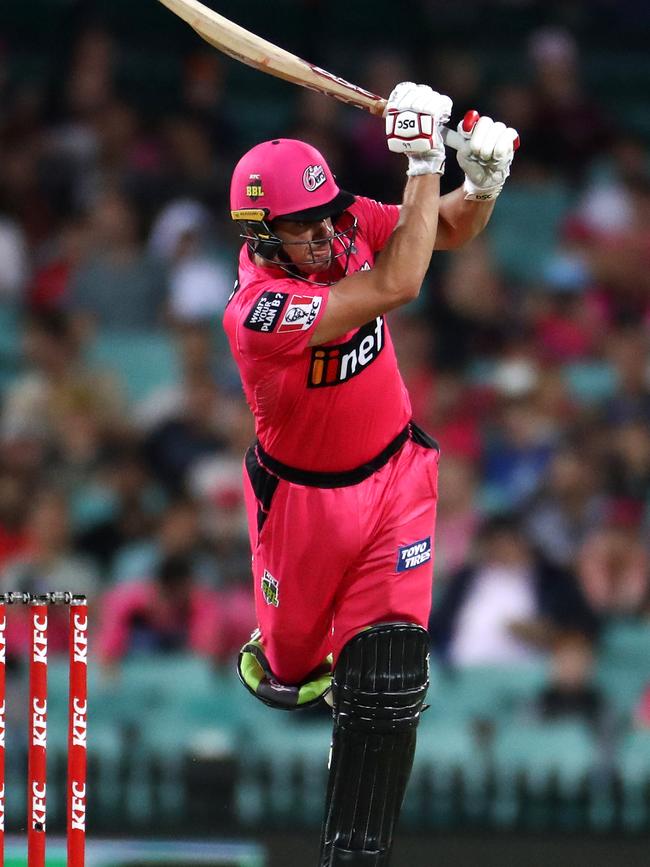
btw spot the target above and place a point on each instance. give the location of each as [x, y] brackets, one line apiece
[248, 48]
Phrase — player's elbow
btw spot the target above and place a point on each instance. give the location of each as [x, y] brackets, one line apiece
[408, 291]
[401, 291]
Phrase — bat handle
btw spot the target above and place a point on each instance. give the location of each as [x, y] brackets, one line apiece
[456, 140]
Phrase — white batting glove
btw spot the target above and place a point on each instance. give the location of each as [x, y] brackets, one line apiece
[414, 114]
[486, 157]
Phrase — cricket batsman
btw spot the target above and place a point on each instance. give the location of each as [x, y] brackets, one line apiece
[341, 485]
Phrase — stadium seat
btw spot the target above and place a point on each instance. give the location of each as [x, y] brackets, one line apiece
[623, 670]
[634, 766]
[487, 692]
[448, 760]
[142, 362]
[589, 382]
[523, 232]
[540, 750]
[10, 343]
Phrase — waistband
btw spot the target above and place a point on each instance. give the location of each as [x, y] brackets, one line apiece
[348, 477]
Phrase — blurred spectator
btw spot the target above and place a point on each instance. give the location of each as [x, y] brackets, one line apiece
[564, 330]
[567, 508]
[201, 274]
[455, 411]
[618, 260]
[199, 361]
[571, 693]
[606, 205]
[47, 563]
[180, 531]
[168, 613]
[191, 170]
[117, 285]
[506, 596]
[13, 260]
[628, 461]
[39, 400]
[49, 286]
[196, 432]
[628, 351]
[375, 173]
[522, 439]
[613, 563]
[642, 710]
[132, 507]
[470, 311]
[458, 517]
[570, 127]
[13, 510]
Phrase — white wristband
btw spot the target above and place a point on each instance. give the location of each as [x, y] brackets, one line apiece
[432, 163]
[478, 194]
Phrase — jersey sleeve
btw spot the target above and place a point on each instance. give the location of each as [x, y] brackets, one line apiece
[376, 221]
[277, 319]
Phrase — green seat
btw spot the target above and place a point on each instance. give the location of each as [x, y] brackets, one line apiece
[284, 770]
[166, 677]
[448, 761]
[487, 691]
[10, 342]
[142, 361]
[523, 233]
[536, 758]
[623, 664]
[634, 767]
[626, 642]
[589, 382]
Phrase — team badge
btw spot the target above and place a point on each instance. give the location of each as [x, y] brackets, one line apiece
[301, 312]
[270, 589]
[313, 177]
[254, 189]
[413, 555]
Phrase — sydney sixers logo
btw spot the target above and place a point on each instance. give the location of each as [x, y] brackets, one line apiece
[313, 177]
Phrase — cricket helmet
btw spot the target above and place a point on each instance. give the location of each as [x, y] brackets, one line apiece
[283, 179]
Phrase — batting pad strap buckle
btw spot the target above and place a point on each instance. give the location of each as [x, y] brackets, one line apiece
[255, 673]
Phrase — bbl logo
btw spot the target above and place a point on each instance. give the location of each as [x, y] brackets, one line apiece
[270, 589]
[254, 189]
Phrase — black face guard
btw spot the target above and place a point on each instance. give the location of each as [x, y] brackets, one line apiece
[263, 241]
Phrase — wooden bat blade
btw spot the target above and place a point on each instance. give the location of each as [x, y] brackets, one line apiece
[248, 48]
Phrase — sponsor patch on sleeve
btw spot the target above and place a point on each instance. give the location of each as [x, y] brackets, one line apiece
[301, 312]
[265, 313]
[413, 555]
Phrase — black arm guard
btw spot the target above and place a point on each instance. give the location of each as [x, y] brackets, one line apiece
[380, 682]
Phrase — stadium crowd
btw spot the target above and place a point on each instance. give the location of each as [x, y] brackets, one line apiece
[122, 424]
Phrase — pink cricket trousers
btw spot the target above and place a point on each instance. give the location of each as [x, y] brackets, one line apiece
[335, 553]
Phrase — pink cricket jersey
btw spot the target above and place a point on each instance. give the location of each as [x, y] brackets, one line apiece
[325, 408]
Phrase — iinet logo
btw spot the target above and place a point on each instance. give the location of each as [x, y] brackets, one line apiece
[332, 365]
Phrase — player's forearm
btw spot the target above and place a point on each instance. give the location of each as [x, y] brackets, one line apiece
[460, 219]
[405, 259]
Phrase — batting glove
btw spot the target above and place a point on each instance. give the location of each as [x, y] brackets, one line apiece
[486, 157]
[414, 115]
